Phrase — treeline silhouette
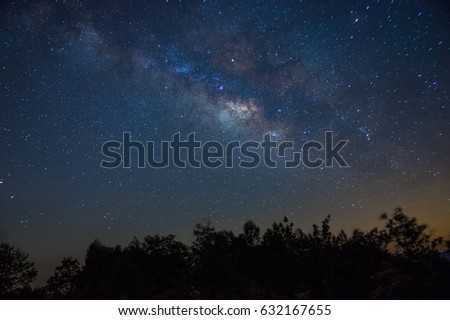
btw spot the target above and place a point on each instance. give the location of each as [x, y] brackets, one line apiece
[399, 261]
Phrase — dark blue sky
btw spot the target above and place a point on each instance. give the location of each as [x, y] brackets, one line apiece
[76, 74]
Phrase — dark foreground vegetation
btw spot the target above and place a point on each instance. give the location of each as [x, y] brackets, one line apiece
[400, 261]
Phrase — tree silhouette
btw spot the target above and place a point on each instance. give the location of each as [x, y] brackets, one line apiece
[63, 284]
[409, 237]
[399, 261]
[214, 263]
[251, 234]
[167, 262]
[16, 272]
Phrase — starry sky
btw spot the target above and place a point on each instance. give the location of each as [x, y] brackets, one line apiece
[74, 74]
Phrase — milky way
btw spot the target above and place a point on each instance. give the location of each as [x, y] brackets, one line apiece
[76, 74]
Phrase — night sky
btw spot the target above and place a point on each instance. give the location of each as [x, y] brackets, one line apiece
[76, 74]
